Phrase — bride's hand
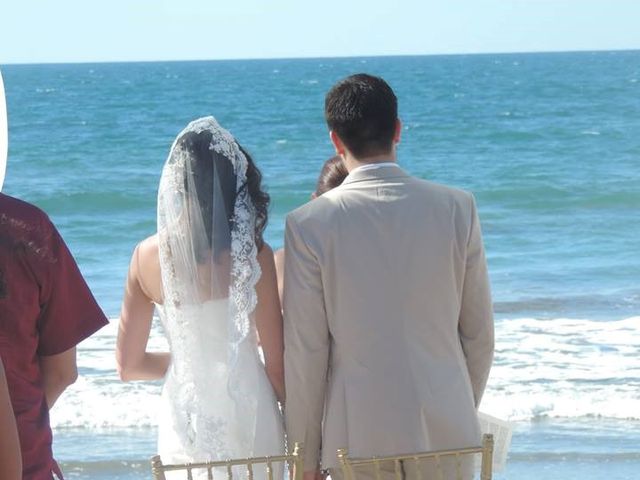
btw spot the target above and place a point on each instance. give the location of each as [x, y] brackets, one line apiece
[314, 475]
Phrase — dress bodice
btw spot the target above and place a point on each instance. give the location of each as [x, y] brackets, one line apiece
[204, 326]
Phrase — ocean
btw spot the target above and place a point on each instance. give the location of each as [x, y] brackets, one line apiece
[548, 143]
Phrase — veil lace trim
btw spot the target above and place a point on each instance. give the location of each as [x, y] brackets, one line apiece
[200, 426]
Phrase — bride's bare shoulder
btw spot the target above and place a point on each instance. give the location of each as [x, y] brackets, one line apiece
[149, 246]
[265, 258]
[147, 263]
[265, 251]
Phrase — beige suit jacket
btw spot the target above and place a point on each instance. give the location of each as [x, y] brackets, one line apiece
[388, 320]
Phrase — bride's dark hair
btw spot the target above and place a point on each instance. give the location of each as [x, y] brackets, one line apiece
[206, 164]
[258, 196]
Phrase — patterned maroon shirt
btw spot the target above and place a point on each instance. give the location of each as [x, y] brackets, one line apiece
[46, 308]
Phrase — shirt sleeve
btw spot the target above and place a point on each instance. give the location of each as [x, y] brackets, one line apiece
[68, 311]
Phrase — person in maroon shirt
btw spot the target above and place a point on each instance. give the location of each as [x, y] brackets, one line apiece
[46, 309]
[10, 457]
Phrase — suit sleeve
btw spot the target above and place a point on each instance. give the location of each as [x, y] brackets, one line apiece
[476, 314]
[306, 337]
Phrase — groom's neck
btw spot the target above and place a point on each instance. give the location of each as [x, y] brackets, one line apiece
[352, 162]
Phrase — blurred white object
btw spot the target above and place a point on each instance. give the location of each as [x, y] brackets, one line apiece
[4, 134]
[502, 431]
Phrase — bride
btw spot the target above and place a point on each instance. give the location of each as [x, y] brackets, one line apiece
[211, 277]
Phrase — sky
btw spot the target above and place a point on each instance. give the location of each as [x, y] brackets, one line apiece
[43, 31]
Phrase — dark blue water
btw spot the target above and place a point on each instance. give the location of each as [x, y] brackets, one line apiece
[549, 144]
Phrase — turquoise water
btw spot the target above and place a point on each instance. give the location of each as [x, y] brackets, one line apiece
[548, 143]
[540, 451]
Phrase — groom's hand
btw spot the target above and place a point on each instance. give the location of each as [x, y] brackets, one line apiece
[314, 475]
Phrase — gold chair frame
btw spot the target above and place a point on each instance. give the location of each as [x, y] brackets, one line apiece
[294, 460]
[486, 468]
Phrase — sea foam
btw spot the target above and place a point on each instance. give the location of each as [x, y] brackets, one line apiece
[556, 368]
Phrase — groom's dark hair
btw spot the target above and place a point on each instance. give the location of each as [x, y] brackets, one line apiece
[362, 110]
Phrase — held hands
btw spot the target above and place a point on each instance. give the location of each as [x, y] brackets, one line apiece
[315, 475]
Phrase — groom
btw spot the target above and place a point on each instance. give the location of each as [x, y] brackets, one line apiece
[387, 308]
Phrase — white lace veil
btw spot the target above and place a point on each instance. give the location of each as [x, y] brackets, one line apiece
[208, 254]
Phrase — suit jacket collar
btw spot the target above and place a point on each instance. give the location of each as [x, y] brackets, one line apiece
[382, 173]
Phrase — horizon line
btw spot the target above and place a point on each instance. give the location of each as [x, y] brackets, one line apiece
[321, 57]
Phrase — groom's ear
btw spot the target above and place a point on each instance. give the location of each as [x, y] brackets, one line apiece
[337, 143]
[398, 132]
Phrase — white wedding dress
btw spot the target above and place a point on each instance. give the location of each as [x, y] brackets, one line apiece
[197, 410]
[217, 402]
